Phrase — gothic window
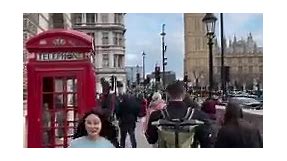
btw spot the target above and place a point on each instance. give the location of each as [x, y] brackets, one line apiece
[260, 60]
[250, 69]
[240, 69]
[260, 69]
[239, 61]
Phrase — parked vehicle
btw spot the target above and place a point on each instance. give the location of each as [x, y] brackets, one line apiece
[247, 103]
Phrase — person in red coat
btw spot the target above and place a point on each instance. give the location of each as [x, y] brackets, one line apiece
[209, 106]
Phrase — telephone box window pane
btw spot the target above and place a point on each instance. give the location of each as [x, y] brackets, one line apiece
[72, 118]
[59, 141]
[46, 116]
[48, 84]
[47, 137]
[71, 85]
[48, 99]
[59, 85]
[60, 124]
[71, 100]
[46, 125]
[76, 99]
[59, 101]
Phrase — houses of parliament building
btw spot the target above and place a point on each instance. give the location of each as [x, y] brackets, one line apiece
[243, 58]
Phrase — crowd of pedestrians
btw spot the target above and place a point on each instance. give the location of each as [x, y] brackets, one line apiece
[163, 121]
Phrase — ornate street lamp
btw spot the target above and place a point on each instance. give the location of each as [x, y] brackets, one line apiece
[209, 19]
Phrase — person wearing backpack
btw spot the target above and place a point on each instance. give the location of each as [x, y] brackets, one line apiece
[176, 110]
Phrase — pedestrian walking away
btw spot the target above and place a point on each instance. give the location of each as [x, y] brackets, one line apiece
[127, 113]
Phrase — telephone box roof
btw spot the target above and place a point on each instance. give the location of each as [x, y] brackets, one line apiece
[60, 40]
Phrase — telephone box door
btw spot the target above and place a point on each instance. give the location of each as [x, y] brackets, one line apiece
[60, 108]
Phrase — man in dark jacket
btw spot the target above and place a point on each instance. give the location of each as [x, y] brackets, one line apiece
[176, 109]
[127, 112]
[237, 132]
[108, 102]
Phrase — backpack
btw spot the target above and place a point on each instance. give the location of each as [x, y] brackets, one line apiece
[176, 133]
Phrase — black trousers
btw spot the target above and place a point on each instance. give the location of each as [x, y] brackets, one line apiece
[130, 129]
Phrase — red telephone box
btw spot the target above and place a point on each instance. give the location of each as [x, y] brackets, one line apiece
[61, 85]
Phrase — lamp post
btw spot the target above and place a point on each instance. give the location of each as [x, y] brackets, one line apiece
[223, 73]
[138, 76]
[209, 19]
[143, 54]
[164, 63]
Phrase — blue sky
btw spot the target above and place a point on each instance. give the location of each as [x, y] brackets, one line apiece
[143, 34]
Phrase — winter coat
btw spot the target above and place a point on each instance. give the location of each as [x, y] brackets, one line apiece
[154, 106]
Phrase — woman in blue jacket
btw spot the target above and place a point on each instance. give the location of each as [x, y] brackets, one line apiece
[93, 131]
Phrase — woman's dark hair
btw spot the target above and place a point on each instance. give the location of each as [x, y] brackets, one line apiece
[233, 113]
[108, 130]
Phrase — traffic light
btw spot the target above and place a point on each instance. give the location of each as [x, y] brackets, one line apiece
[138, 78]
[157, 73]
[164, 61]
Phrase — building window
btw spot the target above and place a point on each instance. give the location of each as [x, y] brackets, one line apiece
[260, 60]
[78, 18]
[90, 18]
[260, 69]
[239, 61]
[105, 38]
[250, 69]
[92, 34]
[117, 18]
[250, 60]
[120, 40]
[219, 70]
[105, 17]
[240, 69]
[115, 38]
[105, 60]
[120, 60]
[115, 60]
